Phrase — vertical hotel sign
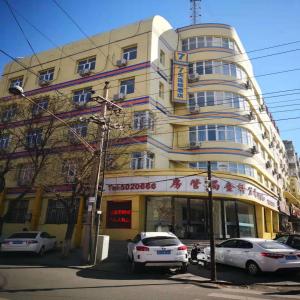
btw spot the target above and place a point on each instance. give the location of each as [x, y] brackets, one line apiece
[180, 78]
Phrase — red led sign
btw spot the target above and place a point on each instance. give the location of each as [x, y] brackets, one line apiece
[118, 214]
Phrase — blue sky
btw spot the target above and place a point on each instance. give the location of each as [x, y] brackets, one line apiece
[259, 23]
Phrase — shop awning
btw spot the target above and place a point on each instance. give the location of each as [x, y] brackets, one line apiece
[291, 198]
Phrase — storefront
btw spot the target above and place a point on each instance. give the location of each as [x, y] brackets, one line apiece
[295, 218]
[180, 205]
[285, 226]
[188, 217]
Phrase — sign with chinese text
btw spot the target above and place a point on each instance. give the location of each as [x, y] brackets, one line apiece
[118, 214]
[180, 77]
[295, 211]
[189, 184]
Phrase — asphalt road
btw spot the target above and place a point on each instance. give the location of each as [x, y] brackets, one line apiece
[50, 277]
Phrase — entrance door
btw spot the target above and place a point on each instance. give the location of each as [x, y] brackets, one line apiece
[197, 219]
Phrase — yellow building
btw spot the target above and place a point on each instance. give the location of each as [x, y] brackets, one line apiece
[191, 97]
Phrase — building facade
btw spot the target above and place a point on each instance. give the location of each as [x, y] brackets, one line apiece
[189, 97]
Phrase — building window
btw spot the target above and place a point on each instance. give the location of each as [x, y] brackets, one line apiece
[47, 75]
[225, 166]
[81, 97]
[25, 174]
[16, 82]
[69, 170]
[127, 86]
[57, 211]
[80, 129]
[9, 113]
[143, 120]
[142, 160]
[206, 67]
[40, 106]
[4, 141]
[162, 57]
[34, 138]
[213, 98]
[220, 133]
[161, 92]
[208, 41]
[86, 64]
[130, 53]
[17, 211]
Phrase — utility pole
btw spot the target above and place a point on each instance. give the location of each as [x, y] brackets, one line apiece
[94, 204]
[213, 275]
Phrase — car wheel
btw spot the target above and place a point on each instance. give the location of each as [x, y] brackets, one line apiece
[136, 267]
[42, 251]
[183, 269]
[252, 268]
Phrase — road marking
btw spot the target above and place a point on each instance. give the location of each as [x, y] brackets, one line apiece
[234, 297]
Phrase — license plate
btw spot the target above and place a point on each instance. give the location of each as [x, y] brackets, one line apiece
[290, 257]
[161, 252]
[17, 242]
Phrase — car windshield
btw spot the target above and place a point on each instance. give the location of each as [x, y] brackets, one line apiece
[161, 241]
[273, 245]
[23, 235]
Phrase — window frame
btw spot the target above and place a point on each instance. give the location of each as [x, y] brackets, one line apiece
[143, 120]
[127, 84]
[4, 141]
[84, 93]
[25, 174]
[143, 160]
[129, 53]
[88, 63]
[46, 75]
[34, 137]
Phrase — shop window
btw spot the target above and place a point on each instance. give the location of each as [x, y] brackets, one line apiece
[143, 120]
[231, 222]
[130, 53]
[118, 214]
[127, 86]
[57, 211]
[17, 211]
[246, 217]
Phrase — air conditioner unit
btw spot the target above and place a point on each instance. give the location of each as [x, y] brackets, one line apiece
[122, 62]
[274, 172]
[84, 72]
[271, 145]
[195, 145]
[262, 108]
[196, 109]
[251, 116]
[44, 82]
[254, 150]
[120, 96]
[264, 135]
[279, 176]
[268, 164]
[247, 85]
[193, 77]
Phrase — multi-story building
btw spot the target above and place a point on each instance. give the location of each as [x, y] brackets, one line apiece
[292, 194]
[190, 97]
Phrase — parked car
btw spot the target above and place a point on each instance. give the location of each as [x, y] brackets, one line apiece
[254, 255]
[157, 249]
[29, 241]
[292, 240]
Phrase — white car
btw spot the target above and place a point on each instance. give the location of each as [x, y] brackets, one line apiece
[157, 249]
[254, 255]
[29, 241]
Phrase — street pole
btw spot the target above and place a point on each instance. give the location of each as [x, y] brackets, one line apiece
[102, 132]
[213, 272]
